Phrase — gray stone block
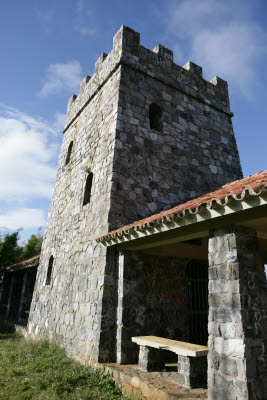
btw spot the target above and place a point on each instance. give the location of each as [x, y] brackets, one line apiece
[192, 371]
[236, 362]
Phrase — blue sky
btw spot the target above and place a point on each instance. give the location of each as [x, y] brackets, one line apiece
[48, 46]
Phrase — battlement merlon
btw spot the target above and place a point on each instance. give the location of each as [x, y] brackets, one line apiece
[126, 38]
[99, 62]
[157, 64]
[221, 84]
[71, 101]
[194, 68]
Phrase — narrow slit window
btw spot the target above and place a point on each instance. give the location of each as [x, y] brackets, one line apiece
[88, 188]
[155, 117]
[69, 153]
[49, 270]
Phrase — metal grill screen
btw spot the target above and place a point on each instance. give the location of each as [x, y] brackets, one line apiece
[197, 278]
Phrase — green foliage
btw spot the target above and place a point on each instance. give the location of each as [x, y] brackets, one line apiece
[33, 246]
[85, 169]
[96, 80]
[38, 370]
[10, 251]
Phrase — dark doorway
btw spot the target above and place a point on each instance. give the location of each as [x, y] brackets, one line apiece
[197, 279]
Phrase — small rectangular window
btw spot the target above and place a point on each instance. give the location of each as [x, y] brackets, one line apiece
[49, 270]
[88, 188]
[155, 117]
[69, 153]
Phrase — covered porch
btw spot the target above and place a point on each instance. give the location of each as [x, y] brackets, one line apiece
[195, 273]
[16, 292]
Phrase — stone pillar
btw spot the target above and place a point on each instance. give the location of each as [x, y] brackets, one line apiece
[130, 291]
[7, 277]
[10, 295]
[237, 317]
[192, 371]
[22, 295]
[107, 340]
[151, 359]
[119, 357]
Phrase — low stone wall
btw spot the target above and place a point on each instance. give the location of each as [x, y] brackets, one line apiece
[153, 385]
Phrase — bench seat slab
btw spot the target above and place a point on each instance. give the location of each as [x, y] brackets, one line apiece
[180, 348]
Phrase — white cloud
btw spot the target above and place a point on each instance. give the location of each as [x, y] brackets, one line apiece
[62, 77]
[222, 37]
[59, 123]
[46, 15]
[82, 9]
[80, 6]
[82, 23]
[22, 217]
[86, 30]
[28, 151]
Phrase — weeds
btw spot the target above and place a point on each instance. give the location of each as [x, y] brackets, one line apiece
[85, 169]
[39, 371]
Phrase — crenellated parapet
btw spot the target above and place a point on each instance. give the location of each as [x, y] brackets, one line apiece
[158, 64]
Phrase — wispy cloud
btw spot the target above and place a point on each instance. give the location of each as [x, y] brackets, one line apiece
[62, 77]
[86, 31]
[221, 36]
[46, 15]
[80, 6]
[59, 122]
[22, 218]
[28, 152]
[83, 20]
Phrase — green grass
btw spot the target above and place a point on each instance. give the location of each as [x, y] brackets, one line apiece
[38, 370]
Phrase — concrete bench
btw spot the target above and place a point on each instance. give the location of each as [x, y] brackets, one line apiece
[192, 359]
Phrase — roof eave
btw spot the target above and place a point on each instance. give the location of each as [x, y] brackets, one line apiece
[23, 265]
[213, 215]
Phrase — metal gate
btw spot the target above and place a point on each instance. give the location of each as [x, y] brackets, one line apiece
[197, 278]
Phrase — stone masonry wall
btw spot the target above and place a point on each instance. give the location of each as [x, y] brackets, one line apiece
[69, 309]
[237, 317]
[136, 172]
[152, 300]
[195, 152]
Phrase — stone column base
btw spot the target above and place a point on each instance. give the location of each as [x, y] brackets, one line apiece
[192, 371]
[150, 359]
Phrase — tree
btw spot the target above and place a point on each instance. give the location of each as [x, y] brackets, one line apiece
[10, 251]
[33, 246]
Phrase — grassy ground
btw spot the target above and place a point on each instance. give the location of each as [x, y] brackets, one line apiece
[41, 371]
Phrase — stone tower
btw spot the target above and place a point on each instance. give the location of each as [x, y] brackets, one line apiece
[143, 135]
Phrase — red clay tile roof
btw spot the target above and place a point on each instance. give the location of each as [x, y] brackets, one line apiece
[252, 185]
[26, 261]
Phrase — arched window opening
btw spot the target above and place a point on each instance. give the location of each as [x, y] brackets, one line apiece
[88, 188]
[155, 117]
[69, 153]
[49, 270]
